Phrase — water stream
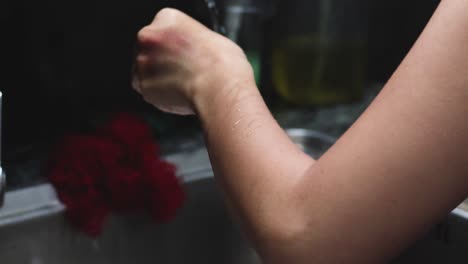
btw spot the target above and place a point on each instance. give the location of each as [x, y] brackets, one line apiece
[214, 16]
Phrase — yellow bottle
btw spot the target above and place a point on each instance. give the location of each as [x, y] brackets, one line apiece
[324, 62]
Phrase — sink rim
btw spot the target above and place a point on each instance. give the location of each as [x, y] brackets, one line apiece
[39, 201]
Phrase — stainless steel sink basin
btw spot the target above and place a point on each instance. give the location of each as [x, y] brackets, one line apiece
[202, 233]
[33, 231]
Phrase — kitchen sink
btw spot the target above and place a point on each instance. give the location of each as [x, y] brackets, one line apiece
[203, 232]
[33, 229]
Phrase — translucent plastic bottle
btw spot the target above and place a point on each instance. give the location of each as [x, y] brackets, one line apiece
[320, 51]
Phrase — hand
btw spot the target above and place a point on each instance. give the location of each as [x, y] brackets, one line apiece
[181, 63]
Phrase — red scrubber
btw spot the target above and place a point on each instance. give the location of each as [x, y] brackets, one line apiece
[117, 169]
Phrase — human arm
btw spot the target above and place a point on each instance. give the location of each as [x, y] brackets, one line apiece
[399, 169]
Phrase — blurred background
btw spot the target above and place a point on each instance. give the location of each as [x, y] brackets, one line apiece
[65, 65]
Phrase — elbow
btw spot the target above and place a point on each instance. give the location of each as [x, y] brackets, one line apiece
[283, 228]
[280, 234]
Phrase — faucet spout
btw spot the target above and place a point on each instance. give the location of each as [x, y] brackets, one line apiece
[2, 186]
[2, 173]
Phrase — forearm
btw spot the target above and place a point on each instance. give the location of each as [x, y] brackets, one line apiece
[182, 67]
[253, 158]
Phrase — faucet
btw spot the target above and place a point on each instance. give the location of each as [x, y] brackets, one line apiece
[2, 186]
[2, 173]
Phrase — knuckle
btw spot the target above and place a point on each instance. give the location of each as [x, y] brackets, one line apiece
[142, 60]
[167, 14]
[146, 35]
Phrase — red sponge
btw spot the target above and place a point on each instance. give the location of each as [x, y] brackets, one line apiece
[117, 169]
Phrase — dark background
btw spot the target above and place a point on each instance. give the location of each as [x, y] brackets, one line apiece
[64, 64]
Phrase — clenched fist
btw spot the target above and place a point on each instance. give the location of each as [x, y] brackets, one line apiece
[181, 63]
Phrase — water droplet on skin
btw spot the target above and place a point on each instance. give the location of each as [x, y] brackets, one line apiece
[236, 124]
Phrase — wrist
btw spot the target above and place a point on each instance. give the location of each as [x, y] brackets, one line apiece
[223, 95]
[221, 90]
